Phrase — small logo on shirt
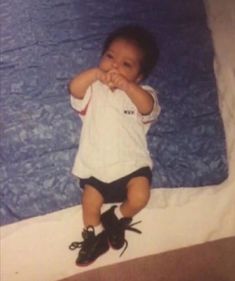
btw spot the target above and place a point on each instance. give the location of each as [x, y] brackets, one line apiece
[129, 112]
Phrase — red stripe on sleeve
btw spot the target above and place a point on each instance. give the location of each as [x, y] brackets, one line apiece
[83, 112]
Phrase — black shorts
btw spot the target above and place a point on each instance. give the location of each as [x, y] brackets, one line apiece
[116, 191]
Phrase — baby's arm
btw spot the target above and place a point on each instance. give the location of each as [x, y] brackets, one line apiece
[79, 84]
[140, 97]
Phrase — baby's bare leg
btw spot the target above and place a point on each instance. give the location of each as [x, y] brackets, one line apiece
[92, 202]
[138, 193]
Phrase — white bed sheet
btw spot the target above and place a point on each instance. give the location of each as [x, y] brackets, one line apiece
[37, 249]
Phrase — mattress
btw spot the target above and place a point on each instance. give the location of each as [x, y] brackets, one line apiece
[45, 43]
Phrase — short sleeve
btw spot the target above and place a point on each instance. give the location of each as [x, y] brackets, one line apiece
[148, 119]
[80, 105]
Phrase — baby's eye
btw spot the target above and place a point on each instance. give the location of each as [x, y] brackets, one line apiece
[127, 64]
[109, 56]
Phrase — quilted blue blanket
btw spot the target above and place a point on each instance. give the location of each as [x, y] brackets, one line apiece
[44, 43]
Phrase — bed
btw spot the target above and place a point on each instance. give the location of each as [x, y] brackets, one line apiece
[45, 44]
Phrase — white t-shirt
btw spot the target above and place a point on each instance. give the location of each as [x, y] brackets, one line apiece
[113, 136]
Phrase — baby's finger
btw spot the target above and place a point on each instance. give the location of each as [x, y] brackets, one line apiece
[107, 77]
[113, 71]
[111, 85]
[116, 78]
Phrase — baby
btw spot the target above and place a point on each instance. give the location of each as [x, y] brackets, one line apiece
[113, 163]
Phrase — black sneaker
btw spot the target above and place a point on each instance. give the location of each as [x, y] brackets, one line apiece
[116, 228]
[91, 247]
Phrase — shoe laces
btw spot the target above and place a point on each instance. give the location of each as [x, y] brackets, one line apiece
[87, 234]
[130, 228]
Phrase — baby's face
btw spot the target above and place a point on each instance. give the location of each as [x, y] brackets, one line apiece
[123, 57]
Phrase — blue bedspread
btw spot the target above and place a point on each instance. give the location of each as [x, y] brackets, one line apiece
[44, 43]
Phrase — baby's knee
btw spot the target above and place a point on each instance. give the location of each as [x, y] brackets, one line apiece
[139, 199]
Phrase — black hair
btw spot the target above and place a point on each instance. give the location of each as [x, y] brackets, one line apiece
[142, 39]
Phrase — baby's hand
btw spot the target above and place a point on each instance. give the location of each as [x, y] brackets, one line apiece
[118, 81]
[103, 77]
[113, 79]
